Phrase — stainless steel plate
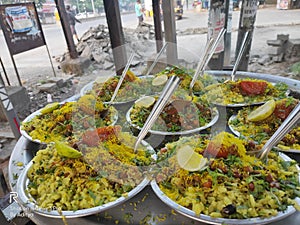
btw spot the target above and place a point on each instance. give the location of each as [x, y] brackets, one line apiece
[215, 117]
[30, 204]
[207, 219]
[238, 134]
[24, 133]
[89, 86]
[224, 75]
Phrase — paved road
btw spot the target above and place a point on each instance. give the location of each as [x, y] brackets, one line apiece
[35, 64]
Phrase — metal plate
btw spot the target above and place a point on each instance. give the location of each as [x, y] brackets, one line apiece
[29, 203]
[89, 87]
[236, 133]
[293, 84]
[224, 75]
[207, 219]
[215, 117]
[24, 133]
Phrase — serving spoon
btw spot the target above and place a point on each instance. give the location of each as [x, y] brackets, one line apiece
[164, 97]
[262, 154]
[210, 48]
[239, 57]
[156, 59]
[292, 119]
[121, 78]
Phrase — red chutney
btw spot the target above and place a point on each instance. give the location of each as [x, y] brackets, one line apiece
[252, 87]
[93, 137]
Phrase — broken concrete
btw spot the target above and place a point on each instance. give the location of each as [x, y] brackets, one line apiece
[283, 48]
[48, 87]
[75, 66]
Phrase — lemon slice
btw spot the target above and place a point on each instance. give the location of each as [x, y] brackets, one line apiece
[160, 80]
[145, 102]
[50, 107]
[262, 112]
[66, 151]
[190, 160]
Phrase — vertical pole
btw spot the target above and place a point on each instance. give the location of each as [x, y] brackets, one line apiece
[170, 31]
[157, 24]
[66, 28]
[216, 22]
[93, 7]
[4, 71]
[50, 60]
[8, 110]
[43, 36]
[247, 20]
[16, 70]
[228, 26]
[116, 34]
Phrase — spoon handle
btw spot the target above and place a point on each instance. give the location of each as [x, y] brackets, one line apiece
[167, 92]
[284, 128]
[208, 53]
[156, 59]
[202, 62]
[239, 57]
[122, 78]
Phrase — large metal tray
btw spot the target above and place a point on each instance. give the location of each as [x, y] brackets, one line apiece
[204, 218]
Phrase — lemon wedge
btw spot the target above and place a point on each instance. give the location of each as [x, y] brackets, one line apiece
[67, 151]
[262, 112]
[190, 160]
[145, 102]
[160, 80]
[50, 107]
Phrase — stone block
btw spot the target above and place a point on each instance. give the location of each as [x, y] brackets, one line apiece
[48, 87]
[57, 80]
[278, 58]
[87, 52]
[283, 37]
[293, 48]
[274, 42]
[75, 66]
[272, 50]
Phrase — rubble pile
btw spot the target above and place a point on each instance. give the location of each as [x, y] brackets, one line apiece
[282, 54]
[95, 44]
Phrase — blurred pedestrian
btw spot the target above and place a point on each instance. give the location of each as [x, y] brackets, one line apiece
[139, 11]
[72, 21]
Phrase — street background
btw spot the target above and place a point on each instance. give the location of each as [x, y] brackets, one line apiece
[34, 65]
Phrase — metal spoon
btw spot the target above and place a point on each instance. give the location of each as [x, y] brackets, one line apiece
[164, 97]
[121, 78]
[284, 128]
[239, 57]
[156, 59]
[208, 53]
